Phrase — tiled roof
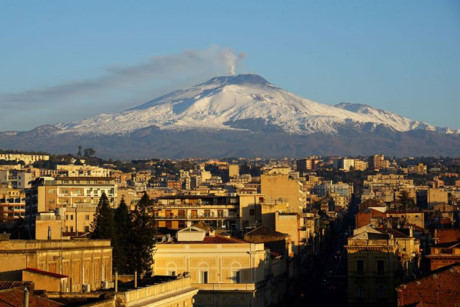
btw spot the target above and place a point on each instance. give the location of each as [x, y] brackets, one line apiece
[15, 297]
[265, 231]
[33, 270]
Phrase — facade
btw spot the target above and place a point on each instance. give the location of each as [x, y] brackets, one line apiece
[378, 162]
[27, 159]
[17, 179]
[87, 262]
[305, 165]
[219, 212]
[69, 221]
[228, 271]
[444, 254]
[48, 194]
[282, 187]
[378, 260]
[12, 204]
[173, 292]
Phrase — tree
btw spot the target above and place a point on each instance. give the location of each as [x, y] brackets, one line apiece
[122, 246]
[102, 225]
[143, 236]
[405, 200]
[88, 152]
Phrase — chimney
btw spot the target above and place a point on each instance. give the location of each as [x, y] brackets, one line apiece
[26, 297]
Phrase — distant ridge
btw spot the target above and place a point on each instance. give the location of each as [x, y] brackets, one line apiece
[241, 115]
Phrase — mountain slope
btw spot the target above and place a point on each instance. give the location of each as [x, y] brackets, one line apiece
[242, 102]
[244, 116]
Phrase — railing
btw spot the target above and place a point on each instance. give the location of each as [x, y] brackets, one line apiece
[196, 217]
[142, 294]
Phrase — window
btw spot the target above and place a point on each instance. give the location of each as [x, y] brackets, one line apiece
[380, 291]
[251, 211]
[204, 277]
[71, 228]
[360, 291]
[360, 266]
[87, 217]
[380, 266]
[86, 228]
[71, 217]
[220, 213]
[172, 273]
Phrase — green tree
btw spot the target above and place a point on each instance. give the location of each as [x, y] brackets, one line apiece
[102, 225]
[143, 236]
[122, 246]
[405, 200]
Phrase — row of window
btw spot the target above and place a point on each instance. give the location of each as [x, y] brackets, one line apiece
[360, 266]
[70, 216]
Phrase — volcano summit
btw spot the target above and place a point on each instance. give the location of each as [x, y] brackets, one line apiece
[242, 115]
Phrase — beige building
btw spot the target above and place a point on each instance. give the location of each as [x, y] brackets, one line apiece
[233, 170]
[436, 197]
[377, 258]
[27, 159]
[282, 187]
[219, 212]
[82, 171]
[48, 194]
[12, 204]
[87, 262]
[69, 221]
[228, 271]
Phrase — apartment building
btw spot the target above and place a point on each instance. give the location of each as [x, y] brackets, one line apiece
[378, 259]
[283, 187]
[12, 204]
[48, 194]
[27, 159]
[219, 212]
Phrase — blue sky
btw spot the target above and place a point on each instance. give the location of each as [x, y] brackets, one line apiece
[66, 60]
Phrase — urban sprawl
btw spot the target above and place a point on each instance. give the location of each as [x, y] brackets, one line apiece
[78, 230]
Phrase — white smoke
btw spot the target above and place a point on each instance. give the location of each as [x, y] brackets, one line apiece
[190, 65]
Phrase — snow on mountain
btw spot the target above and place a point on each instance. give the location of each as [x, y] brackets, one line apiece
[224, 102]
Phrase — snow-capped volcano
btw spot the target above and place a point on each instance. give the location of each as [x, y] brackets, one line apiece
[238, 103]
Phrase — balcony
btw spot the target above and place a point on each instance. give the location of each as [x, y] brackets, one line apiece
[196, 217]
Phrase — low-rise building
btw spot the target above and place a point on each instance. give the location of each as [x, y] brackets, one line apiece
[87, 262]
[378, 260]
[228, 271]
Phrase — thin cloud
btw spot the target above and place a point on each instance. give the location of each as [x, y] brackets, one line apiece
[187, 65]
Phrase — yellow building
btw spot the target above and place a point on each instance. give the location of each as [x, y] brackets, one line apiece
[69, 221]
[168, 293]
[219, 212]
[87, 262]
[12, 204]
[48, 194]
[228, 271]
[437, 196]
[27, 159]
[233, 170]
[377, 258]
[281, 186]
